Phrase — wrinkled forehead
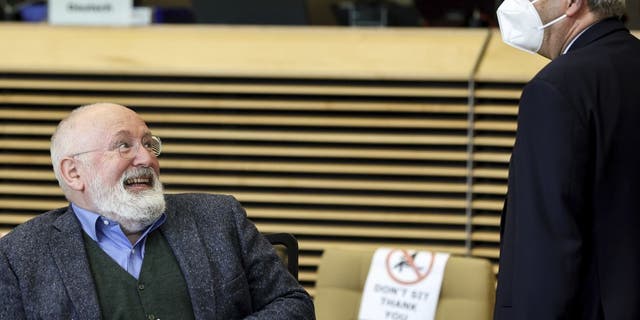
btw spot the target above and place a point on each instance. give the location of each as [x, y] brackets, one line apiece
[94, 126]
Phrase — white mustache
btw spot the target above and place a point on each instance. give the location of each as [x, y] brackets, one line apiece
[140, 173]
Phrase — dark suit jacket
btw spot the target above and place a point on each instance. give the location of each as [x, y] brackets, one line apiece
[230, 269]
[570, 242]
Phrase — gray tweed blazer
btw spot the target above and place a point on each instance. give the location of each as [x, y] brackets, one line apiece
[231, 271]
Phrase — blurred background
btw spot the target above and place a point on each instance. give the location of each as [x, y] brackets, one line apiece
[392, 13]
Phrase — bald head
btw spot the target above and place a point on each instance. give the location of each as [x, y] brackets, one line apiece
[86, 128]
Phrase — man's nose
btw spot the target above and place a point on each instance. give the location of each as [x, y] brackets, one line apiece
[144, 157]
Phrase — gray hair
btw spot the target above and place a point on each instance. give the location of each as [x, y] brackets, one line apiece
[607, 8]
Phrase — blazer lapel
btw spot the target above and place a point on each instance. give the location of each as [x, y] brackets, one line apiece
[67, 247]
[183, 238]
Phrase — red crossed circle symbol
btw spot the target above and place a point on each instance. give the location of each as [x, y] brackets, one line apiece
[412, 265]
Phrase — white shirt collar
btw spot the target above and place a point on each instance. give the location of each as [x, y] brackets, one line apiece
[576, 38]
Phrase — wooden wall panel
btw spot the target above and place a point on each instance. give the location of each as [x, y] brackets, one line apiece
[257, 51]
[345, 168]
[343, 137]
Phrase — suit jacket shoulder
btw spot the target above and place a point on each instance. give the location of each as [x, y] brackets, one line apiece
[44, 270]
[235, 268]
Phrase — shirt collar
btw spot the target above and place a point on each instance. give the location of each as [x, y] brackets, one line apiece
[91, 222]
[576, 38]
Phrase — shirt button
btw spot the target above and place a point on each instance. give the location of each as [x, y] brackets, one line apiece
[106, 223]
[151, 317]
[141, 287]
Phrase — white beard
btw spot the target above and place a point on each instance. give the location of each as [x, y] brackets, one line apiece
[133, 211]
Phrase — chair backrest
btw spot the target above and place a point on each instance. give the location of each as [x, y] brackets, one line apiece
[286, 245]
[468, 287]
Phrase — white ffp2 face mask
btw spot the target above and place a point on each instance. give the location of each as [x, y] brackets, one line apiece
[521, 26]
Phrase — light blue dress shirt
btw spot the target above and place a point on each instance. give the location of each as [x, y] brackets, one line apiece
[110, 238]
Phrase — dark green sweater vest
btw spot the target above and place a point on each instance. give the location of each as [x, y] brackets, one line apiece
[159, 293]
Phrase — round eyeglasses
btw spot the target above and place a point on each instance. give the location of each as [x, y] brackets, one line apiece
[128, 147]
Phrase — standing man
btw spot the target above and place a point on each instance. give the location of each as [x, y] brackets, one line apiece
[123, 250]
[570, 238]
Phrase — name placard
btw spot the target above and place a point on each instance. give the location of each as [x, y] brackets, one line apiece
[91, 12]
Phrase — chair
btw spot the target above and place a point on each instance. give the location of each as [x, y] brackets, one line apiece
[468, 287]
[286, 246]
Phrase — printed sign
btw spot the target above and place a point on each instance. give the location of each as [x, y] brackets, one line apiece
[403, 285]
[90, 12]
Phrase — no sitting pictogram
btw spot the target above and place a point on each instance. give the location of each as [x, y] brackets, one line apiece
[405, 268]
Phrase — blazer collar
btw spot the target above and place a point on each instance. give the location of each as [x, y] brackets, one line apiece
[597, 31]
[190, 251]
[67, 248]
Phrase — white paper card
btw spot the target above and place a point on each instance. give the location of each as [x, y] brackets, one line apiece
[90, 12]
[141, 16]
[403, 285]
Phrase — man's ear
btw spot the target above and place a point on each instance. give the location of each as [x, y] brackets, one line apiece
[575, 6]
[70, 174]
